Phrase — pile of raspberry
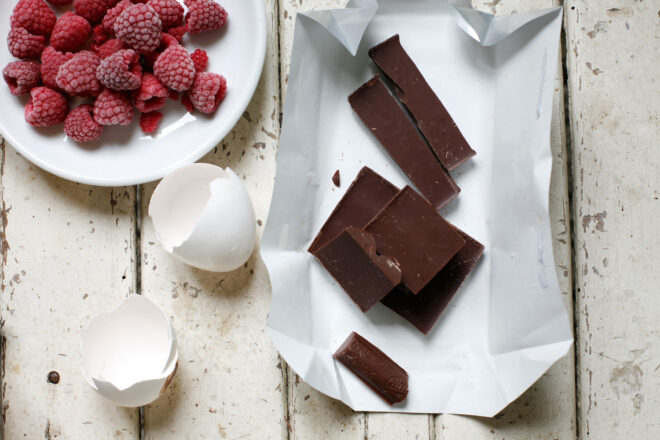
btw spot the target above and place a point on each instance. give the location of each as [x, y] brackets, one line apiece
[118, 55]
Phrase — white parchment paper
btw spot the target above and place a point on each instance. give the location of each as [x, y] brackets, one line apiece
[507, 325]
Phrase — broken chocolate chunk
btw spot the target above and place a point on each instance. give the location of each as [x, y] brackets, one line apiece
[364, 275]
[410, 230]
[335, 179]
[433, 119]
[424, 309]
[390, 124]
[365, 197]
[374, 368]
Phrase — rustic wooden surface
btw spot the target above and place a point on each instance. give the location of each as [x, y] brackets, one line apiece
[70, 250]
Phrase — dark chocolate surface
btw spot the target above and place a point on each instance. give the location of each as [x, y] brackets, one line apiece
[410, 230]
[390, 124]
[365, 197]
[364, 275]
[433, 119]
[374, 368]
[424, 309]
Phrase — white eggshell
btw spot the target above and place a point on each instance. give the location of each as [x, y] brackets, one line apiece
[128, 354]
[203, 216]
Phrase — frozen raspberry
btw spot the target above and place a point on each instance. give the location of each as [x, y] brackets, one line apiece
[99, 35]
[178, 32]
[166, 41]
[92, 10]
[175, 69]
[23, 44]
[139, 1]
[200, 59]
[46, 107]
[149, 121]
[121, 70]
[80, 125]
[152, 94]
[22, 76]
[110, 47]
[70, 32]
[170, 12]
[33, 15]
[77, 76]
[174, 96]
[59, 2]
[187, 103]
[111, 16]
[204, 15]
[208, 91]
[113, 108]
[140, 27]
[51, 60]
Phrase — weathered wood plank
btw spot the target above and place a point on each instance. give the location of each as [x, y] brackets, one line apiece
[547, 409]
[67, 252]
[613, 57]
[228, 384]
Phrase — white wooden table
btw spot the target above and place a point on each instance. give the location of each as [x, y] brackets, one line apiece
[70, 250]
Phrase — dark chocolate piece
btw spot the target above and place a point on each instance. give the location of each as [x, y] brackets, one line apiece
[366, 196]
[335, 179]
[410, 230]
[374, 368]
[433, 119]
[380, 112]
[364, 275]
[424, 309]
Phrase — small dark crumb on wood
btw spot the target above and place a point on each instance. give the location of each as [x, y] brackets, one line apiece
[53, 377]
[336, 179]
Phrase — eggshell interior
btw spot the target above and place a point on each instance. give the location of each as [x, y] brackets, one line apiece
[203, 215]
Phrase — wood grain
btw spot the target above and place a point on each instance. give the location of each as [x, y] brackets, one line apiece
[67, 253]
[615, 109]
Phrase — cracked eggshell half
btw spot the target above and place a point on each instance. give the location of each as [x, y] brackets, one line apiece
[203, 216]
[129, 354]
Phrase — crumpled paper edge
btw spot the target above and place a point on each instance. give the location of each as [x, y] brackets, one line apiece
[487, 30]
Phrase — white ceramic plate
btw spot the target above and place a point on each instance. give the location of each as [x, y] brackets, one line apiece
[124, 155]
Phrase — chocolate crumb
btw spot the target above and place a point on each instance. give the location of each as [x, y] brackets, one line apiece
[53, 377]
[335, 179]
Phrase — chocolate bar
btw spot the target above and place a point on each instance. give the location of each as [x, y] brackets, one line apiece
[390, 124]
[374, 368]
[433, 119]
[411, 231]
[365, 197]
[366, 276]
[424, 309]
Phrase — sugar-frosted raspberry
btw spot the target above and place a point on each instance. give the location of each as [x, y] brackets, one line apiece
[77, 76]
[51, 60]
[170, 12]
[178, 32]
[208, 91]
[23, 44]
[46, 107]
[149, 121]
[187, 103]
[113, 108]
[175, 68]
[33, 15]
[204, 15]
[92, 10]
[70, 32]
[22, 76]
[200, 59]
[99, 35]
[140, 27]
[152, 94]
[110, 47]
[121, 70]
[59, 2]
[80, 125]
[111, 16]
